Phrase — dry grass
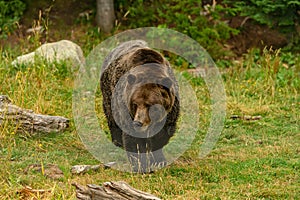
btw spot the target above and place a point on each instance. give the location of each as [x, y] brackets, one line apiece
[252, 160]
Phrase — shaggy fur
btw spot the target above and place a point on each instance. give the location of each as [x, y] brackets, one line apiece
[121, 61]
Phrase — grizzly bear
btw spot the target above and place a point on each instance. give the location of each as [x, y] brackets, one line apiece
[141, 102]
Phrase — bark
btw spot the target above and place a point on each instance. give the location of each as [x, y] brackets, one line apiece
[105, 16]
[27, 120]
[110, 191]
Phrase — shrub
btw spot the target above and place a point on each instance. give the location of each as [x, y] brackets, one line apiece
[283, 15]
[10, 13]
[203, 24]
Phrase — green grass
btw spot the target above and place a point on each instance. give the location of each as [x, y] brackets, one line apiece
[252, 159]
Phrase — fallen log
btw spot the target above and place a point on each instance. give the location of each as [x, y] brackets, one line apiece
[111, 190]
[27, 120]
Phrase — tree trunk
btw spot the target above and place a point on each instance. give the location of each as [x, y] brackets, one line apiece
[105, 16]
[27, 120]
[111, 190]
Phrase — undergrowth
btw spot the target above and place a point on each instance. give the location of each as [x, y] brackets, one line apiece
[205, 24]
[10, 14]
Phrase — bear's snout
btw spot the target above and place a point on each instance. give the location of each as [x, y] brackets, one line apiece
[141, 117]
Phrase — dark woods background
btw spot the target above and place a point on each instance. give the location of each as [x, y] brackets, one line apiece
[225, 28]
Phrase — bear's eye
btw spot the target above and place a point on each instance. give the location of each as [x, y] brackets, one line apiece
[134, 106]
[164, 94]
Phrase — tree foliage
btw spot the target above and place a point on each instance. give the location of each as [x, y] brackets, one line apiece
[283, 15]
[202, 23]
[280, 13]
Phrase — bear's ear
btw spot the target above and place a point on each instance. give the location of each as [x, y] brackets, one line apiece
[131, 79]
[167, 82]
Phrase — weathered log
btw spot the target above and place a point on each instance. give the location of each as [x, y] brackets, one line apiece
[111, 190]
[27, 120]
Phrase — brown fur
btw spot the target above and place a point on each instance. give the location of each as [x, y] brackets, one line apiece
[144, 101]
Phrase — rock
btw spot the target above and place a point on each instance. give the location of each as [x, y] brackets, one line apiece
[57, 51]
[51, 171]
[80, 169]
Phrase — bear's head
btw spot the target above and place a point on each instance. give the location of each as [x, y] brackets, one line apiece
[150, 95]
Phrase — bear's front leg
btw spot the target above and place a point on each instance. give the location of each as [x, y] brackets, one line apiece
[140, 162]
[157, 159]
[116, 135]
[138, 153]
[140, 156]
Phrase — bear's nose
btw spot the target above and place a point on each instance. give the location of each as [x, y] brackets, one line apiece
[137, 123]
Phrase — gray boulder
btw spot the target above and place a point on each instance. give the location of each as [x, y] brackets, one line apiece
[63, 50]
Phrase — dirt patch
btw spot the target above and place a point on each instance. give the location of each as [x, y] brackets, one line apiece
[60, 17]
[59, 13]
[254, 35]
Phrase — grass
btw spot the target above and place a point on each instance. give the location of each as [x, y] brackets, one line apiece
[255, 159]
